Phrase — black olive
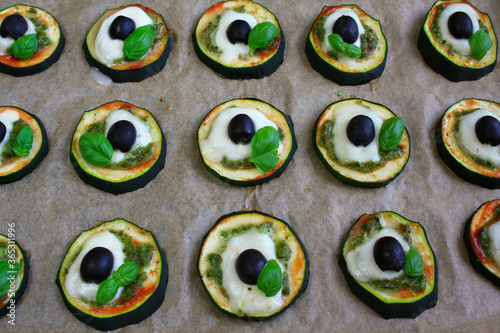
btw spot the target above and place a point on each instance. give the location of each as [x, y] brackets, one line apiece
[460, 25]
[361, 130]
[97, 265]
[488, 130]
[14, 26]
[121, 27]
[347, 28]
[389, 254]
[249, 264]
[241, 129]
[3, 131]
[122, 135]
[238, 31]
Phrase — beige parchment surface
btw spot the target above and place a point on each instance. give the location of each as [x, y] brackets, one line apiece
[52, 206]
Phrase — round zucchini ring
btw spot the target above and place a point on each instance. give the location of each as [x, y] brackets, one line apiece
[389, 290]
[481, 237]
[261, 63]
[338, 67]
[123, 69]
[479, 170]
[362, 174]
[137, 168]
[20, 265]
[50, 41]
[135, 302]
[438, 51]
[239, 232]
[241, 172]
[13, 166]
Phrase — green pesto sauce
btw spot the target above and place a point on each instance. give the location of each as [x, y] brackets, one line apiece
[266, 227]
[367, 230]
[405, 230]
[240, 9]
[283, 251]
[413, 283]
[8, 148]
[208, 35]
[98, 128]
[215, 270]
[41, 36]
[483, 235]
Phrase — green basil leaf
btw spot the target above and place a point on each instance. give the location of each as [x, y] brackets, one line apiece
[480, 42]
[270, 279]
[95, 149]
[127, 273]
[264, 148]
[352, 51]
[6, 270]
[24, 47]
[107, 291]
[414, 264]
[23, 141]
[391, 133]
[262, 34]
[336, 42]
[138, 42]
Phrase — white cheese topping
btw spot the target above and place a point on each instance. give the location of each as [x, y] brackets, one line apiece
[468, 141]
[7, 117]
[75, 286]
[218, 144]
[6, 43]
[459, 45]
[143, 136]
[108, 50]
[231, 52]
[345, 150]
[243, 297]
[494, 236]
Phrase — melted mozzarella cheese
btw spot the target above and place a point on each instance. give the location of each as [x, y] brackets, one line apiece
[74, 284]
[6, 43]
[7, 117]
[218, 144]
[494, 236]
[361, 262]
[143, 136]
[108, 50]
[243, 297]
[345, 150]
[468, 141]
[462, 45]
[231, 52]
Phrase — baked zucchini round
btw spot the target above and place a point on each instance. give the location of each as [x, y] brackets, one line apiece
[448, 51]
[365, 32]
[233, 58]
[21, 55]
[230, 161]
[127, 28]
[17, 157]
[482, 236]
[362, 164]
[131, 167]
[108, 246]
[460, 142]
[382, 269]
[227, 258]
[14, 274]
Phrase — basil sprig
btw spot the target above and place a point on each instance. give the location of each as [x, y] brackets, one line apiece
[391, 133]
[23, 141]
[24, 47]
[270, 279]
[5, 273]
[480, 42]
[138, 42]
[337, 43]
[414, 264]
[96, 149]
[261, 35]
[125, 275]
[264, 147]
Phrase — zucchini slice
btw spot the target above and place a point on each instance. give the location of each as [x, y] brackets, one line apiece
[366, 166]
[111, 60]
[12, 166]
[336, 66]
[453, 142]
[137, 167]
[234, 61]
[391, 293]
[12, 259]
[135, 302]
[231, 235]
[437, 44]
[481, 238]
[238, 170]
[50, 42]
